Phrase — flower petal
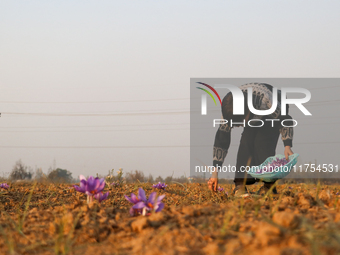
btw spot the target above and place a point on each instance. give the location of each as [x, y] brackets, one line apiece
[82, 177]
[152, 197]
[132, 211]
[100, 196]
[96, 183]
[100, 187]
[160, 198]
[159, 207]
[134, 198]
[101, 180]
[105, 195]
[141, 195]
[139, 205]
[80, 189]
[97, 196]
[83, 184]
[128, 199]
[91, 184]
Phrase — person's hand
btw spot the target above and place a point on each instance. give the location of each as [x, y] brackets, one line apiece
[212, 184]
[288, 152]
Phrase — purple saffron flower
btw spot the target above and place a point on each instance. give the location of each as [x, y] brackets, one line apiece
[142, 205]
[136, 199]
[151, 203]
[220, 189]
[270, 167]
[278, 162]
[100, 196]
[90, 187]
[4, 185]
[94, 186]
[160, 185]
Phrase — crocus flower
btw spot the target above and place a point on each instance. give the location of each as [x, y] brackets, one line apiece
[142, 205]
[100, 196]
[276, 163]
[160, 185]
[220, 189]
[135, 199]
[90, 187]
[4, 185]
[151, 203]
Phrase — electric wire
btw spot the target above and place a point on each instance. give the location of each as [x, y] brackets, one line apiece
[129, 147]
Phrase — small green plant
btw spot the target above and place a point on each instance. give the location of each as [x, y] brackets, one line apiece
[112, 180]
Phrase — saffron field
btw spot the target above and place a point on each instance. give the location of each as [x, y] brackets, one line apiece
[38, 218]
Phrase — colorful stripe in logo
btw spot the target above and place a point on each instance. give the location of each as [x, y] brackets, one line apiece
[212, 89]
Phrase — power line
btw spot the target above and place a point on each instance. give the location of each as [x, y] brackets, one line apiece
[94, 114]
[123, 101]
[312, 124]
[93, 147]
[129, 101]
[335, 142]
[155, 124]
[323, 102]
[139, 125]
[325, 87]
[129, 147]
[143, 125]
[130, 113]
[66, 131]
[94, 102]
[323, 117]
[133, 130]
[88, 88]
[108, 87]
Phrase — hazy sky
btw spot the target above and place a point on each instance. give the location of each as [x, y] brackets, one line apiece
[100, 59]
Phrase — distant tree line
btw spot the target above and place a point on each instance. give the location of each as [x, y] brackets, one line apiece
[22, 172]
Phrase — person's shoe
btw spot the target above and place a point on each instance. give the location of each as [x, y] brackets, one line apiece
[241, 191]
[264, 189]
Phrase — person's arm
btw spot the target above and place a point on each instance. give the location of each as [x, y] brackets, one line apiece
[287, 135]
[221, 146]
